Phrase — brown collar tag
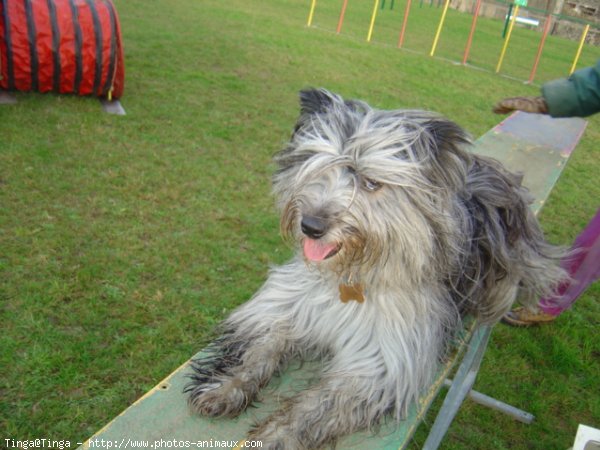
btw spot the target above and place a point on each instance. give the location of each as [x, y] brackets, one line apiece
[352, 292]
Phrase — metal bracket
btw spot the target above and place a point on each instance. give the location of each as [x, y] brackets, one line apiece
[112, 107]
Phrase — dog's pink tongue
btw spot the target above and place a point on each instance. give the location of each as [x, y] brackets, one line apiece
[316, 250]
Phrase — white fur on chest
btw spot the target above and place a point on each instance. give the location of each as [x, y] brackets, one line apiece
[365, 336]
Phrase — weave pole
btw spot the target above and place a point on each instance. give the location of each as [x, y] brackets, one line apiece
[311, 13]
[404, 23]
[505, 46]
[540, 48]
[439, 29]
[581, 42]
[373, 16]
[472, 32]
[341, 19]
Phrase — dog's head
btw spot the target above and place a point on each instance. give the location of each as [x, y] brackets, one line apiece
[358, 186]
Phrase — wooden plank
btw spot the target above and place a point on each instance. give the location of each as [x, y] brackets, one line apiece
[163, 414]
[536, 145]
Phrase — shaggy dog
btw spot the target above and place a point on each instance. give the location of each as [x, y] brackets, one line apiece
[400, 233]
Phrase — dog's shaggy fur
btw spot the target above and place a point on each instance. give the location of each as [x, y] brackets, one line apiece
[401, 233]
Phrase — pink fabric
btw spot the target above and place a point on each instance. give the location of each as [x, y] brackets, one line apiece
[584, 269]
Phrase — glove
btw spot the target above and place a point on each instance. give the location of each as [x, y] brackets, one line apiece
[527, 104]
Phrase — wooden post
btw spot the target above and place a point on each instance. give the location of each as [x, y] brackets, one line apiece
[581, 42]
[472, 32]
[439, 29]
[311, 13]
[540, 48]
[505, 46]
[373, 16]
[404, 22]
[341, 20]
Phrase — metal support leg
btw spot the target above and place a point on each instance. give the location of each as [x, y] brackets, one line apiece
[7, 98]
[463, 381]
[112, 107]
[497, 405]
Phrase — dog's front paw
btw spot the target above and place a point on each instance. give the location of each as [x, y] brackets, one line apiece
[221, 398]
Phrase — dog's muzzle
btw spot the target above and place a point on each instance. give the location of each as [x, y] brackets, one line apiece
[314, 227]
[316, 249]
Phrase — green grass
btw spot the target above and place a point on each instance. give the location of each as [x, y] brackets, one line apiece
[125, 240]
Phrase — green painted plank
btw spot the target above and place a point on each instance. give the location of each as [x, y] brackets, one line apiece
[162, 414]
[536, 145]
[533, 144]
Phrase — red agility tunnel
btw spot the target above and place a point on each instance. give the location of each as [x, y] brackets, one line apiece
[65, 46]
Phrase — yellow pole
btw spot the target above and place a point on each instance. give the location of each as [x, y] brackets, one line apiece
[515, 13]
[581, 42]
[372, 20]
[311, 13]
[439, 29]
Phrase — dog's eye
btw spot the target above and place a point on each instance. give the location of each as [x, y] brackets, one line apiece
[371, 185]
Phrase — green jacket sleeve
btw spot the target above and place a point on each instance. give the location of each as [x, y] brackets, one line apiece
[576, 96]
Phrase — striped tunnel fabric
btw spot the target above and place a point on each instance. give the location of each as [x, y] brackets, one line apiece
[65, 46]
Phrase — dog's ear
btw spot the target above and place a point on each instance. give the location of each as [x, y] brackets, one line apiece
[443, 145]
[445, 134]
[314, 101]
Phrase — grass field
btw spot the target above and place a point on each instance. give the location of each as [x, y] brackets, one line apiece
[124, 240]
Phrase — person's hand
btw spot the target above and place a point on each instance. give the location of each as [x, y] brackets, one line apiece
[527, 104]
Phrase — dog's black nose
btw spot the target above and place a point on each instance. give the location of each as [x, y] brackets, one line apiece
[313, 227]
